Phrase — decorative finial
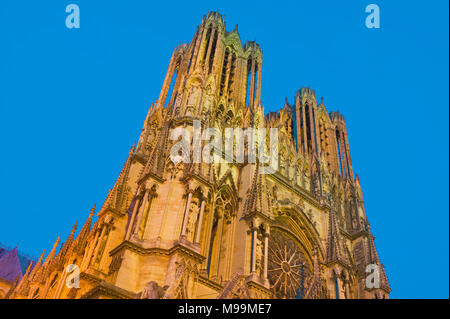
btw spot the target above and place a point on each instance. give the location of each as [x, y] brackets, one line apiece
[29, 267]
[56, 242]
[74, 228]
[42, 256]
[92, 210]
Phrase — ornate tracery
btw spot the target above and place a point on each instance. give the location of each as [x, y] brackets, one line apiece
[289, 270]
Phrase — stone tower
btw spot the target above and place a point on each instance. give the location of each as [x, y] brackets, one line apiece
[222, 229]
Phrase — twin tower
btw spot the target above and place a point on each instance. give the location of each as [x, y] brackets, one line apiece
[222, 229]
[215, 66]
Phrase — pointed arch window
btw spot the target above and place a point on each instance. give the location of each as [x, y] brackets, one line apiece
[211, 54]
[207, 40]
[225, 67]
[219, 250]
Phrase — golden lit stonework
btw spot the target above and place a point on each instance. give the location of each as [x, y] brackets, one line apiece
[289, 271]
[222, 229]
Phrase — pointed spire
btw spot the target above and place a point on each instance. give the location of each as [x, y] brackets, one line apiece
[66, 246]
[156, 160]
[74, 227]
[315, 290]
[47, 266]
[78, 244]
[30, 265]
[335, 249]
[257, 200]
[37, 266]
[374, 259]
[117, 196]
[146, 129]
[52, 253]
[373, 255]
[41, 257]
[23, 283]
[153, 108]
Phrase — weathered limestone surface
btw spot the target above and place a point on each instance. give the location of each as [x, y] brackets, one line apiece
[222, 230]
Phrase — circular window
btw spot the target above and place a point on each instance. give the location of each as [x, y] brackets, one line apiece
[289, 271]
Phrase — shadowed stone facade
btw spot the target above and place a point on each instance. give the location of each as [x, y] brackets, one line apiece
[223, 230]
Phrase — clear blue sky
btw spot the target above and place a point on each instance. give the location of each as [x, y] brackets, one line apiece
[72, 102]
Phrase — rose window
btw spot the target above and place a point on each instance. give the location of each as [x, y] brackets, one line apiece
[288, 269]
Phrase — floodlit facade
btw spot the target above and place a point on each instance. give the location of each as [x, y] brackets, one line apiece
[223, 229]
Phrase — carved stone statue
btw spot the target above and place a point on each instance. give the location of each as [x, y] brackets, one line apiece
[152, 291]
[192, 221]
[193, 97]
[259, 257]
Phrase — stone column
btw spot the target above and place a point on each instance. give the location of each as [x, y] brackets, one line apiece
[266, 254]
[108, 240]
[341, 152]
[252, 84]
[297, 124]
[347, 290]
[219, 246]
[347, 152]
[200, 221]
[132, 218]
[61, 283]
[240, 84]
[311, 126]
[97, 248]
[144, 216]
[207, 242]
[87, 256]
[305, 136]
[186, 214]
[141, 212]
[258, 85]
[316, 132]
[228, 70]
[254, 239]
[167, 80]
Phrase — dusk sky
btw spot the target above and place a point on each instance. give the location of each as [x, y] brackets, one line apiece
[73, 102]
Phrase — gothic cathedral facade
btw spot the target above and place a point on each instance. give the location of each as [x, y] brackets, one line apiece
[222, 229]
